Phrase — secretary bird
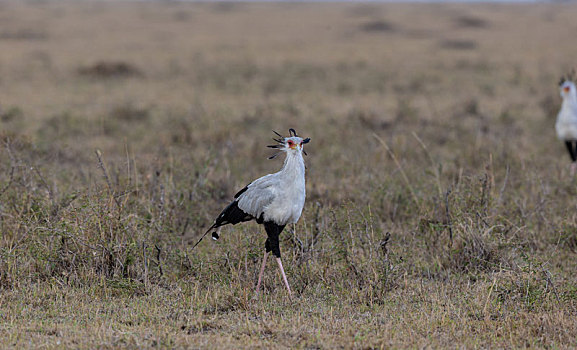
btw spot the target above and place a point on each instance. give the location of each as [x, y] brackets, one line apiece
[273, 200]
[566, 125]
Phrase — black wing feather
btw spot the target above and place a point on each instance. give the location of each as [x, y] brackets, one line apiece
[232, 214]
[241, 192]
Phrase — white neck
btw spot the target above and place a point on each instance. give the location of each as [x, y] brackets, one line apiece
[294, 165]
[570, 101]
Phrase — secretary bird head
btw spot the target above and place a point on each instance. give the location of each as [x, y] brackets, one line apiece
[292, 143]
[567, 85]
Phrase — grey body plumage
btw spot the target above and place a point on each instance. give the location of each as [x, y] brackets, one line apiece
[273, 200]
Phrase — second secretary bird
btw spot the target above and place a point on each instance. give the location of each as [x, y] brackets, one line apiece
[566, 125]
[273, 200]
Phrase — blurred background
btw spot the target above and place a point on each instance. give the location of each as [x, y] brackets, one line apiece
[436, 188]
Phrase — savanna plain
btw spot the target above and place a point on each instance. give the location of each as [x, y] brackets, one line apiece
[440, 209]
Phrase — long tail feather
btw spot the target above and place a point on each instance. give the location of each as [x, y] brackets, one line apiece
[204, 235]
[232, 214]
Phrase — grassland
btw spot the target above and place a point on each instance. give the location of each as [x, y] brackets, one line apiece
[440, 211]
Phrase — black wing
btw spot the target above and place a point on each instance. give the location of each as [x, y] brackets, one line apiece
[240, 192]
[232, 214]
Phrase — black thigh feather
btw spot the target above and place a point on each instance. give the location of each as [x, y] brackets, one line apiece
[572, 149]
[272, 242]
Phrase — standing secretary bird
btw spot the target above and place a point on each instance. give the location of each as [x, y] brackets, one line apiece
[273, 200]
[566, 125]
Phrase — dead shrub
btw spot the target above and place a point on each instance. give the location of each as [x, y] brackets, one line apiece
[458, 44]
[112, 69]
[467, 21]
[473, 252]
[381, 26]
[128, 113]
[10, 114]
[23, 35]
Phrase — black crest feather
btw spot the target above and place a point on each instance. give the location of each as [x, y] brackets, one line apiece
[280, 141]
[567, 77]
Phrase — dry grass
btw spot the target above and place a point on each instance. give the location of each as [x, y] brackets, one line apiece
[439, 213]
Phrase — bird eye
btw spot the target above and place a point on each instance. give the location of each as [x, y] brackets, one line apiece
[290, 143]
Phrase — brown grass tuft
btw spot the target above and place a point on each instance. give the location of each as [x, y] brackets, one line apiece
[107, 70]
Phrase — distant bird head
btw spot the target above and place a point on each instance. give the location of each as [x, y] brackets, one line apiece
[292, 143]
[567, 84]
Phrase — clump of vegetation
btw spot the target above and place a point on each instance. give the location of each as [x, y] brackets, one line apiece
[377, 26]
[107, 70]
[23, 34]
[10, 114]
[468, 21]
[458, 44]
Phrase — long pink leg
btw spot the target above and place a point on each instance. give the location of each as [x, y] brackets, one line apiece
[261, 272]
[284, 276]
